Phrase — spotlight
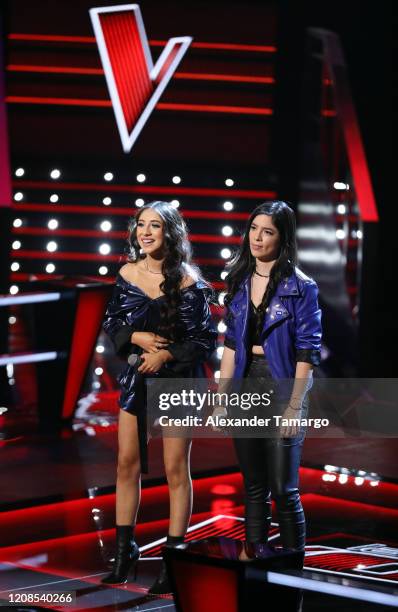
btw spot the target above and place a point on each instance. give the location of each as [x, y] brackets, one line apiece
[104, 249]
[12, 320]
[224, 275]
[141, 178]
[19, 172]
[339, 186]
[15, 266]
[216, 374]
[341, 209]
[176, 180]
[17, 222]
[227, 230]
[225, 253]
[50, 268]
[18, 196]
[107, 201]
[175, 203]
[54, 198]
[51, 246]
[108, 176]
[228, 205]
[14, 289]
[139, 202]
[52, 224]
[106, 226]
[340, 234]
[222, 328]
[103, 270]
[219, 351]
[55, 173]
[16, 244]
[229, 182]
[99, 371]
[100, 348]
[221, 297]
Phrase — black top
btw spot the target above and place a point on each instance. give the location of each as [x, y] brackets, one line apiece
[253, 337]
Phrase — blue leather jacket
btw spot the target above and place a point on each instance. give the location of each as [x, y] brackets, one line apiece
[292, 326]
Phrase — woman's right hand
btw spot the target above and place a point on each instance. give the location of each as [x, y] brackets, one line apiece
[150, 342]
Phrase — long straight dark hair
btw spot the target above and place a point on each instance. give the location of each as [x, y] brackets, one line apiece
[176, 264]
[243, 263]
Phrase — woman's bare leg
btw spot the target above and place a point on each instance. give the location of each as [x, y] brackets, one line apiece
[128, 483]
[176, 454]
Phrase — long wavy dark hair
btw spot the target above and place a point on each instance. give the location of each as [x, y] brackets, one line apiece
[243, 263]
[176, 264]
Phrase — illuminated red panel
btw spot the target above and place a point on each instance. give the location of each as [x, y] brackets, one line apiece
[90, 312]
[200, 587]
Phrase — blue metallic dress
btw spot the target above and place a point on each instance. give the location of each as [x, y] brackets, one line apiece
[131, 309]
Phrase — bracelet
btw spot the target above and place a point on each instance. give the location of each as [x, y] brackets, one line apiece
[297, 409]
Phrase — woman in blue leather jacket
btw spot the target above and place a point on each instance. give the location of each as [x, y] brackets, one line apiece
[273, 332]
[159, 320]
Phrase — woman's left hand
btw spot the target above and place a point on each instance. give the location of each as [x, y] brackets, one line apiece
[289, 431]
[152, 362]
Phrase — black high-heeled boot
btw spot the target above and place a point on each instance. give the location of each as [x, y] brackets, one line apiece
[161, 586]
[126, 557]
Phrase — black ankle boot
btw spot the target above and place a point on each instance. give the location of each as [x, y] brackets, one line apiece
[126, 557]
[161, 586]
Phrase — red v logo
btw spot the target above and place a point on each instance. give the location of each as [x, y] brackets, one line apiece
[134, 83]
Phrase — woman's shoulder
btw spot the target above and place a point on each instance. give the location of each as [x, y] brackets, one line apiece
[128, 271]
[302, 278]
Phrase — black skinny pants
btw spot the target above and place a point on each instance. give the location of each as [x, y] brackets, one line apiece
[270, 469]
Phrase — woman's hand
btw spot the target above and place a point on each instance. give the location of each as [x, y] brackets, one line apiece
[150, 342]
[293, 411]
[152, 362]
[219, 412]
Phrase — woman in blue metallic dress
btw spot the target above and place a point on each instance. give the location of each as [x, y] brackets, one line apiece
[159, 320]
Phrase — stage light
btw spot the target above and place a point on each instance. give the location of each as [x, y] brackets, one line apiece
[229, 182]
[96, 385]
[221, 297]
[343, 478]
[99, 371]
[55, 173]
[18, 196]
[19, 172]
[12, 320]
[14, 289]
[141, 178]
[227, 230]
[16, 244]
[15, 266]
[340, 234]
[222, 328]
[51, 246]
[228, 205]
[100, 348]
[224, 275]
[108, 176]
[175, 203]
[217, 374]
[107, 201]
[225, 253]
[359, 480]
[17, 222]
[104, 249]
[50, 268]
[52, 224]
[339, 186]
[219, 351]
[139, 202]
[103, 270]
[54, 198]
[374, 483]
[106, 226]
[341, 209]
[176, 180]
